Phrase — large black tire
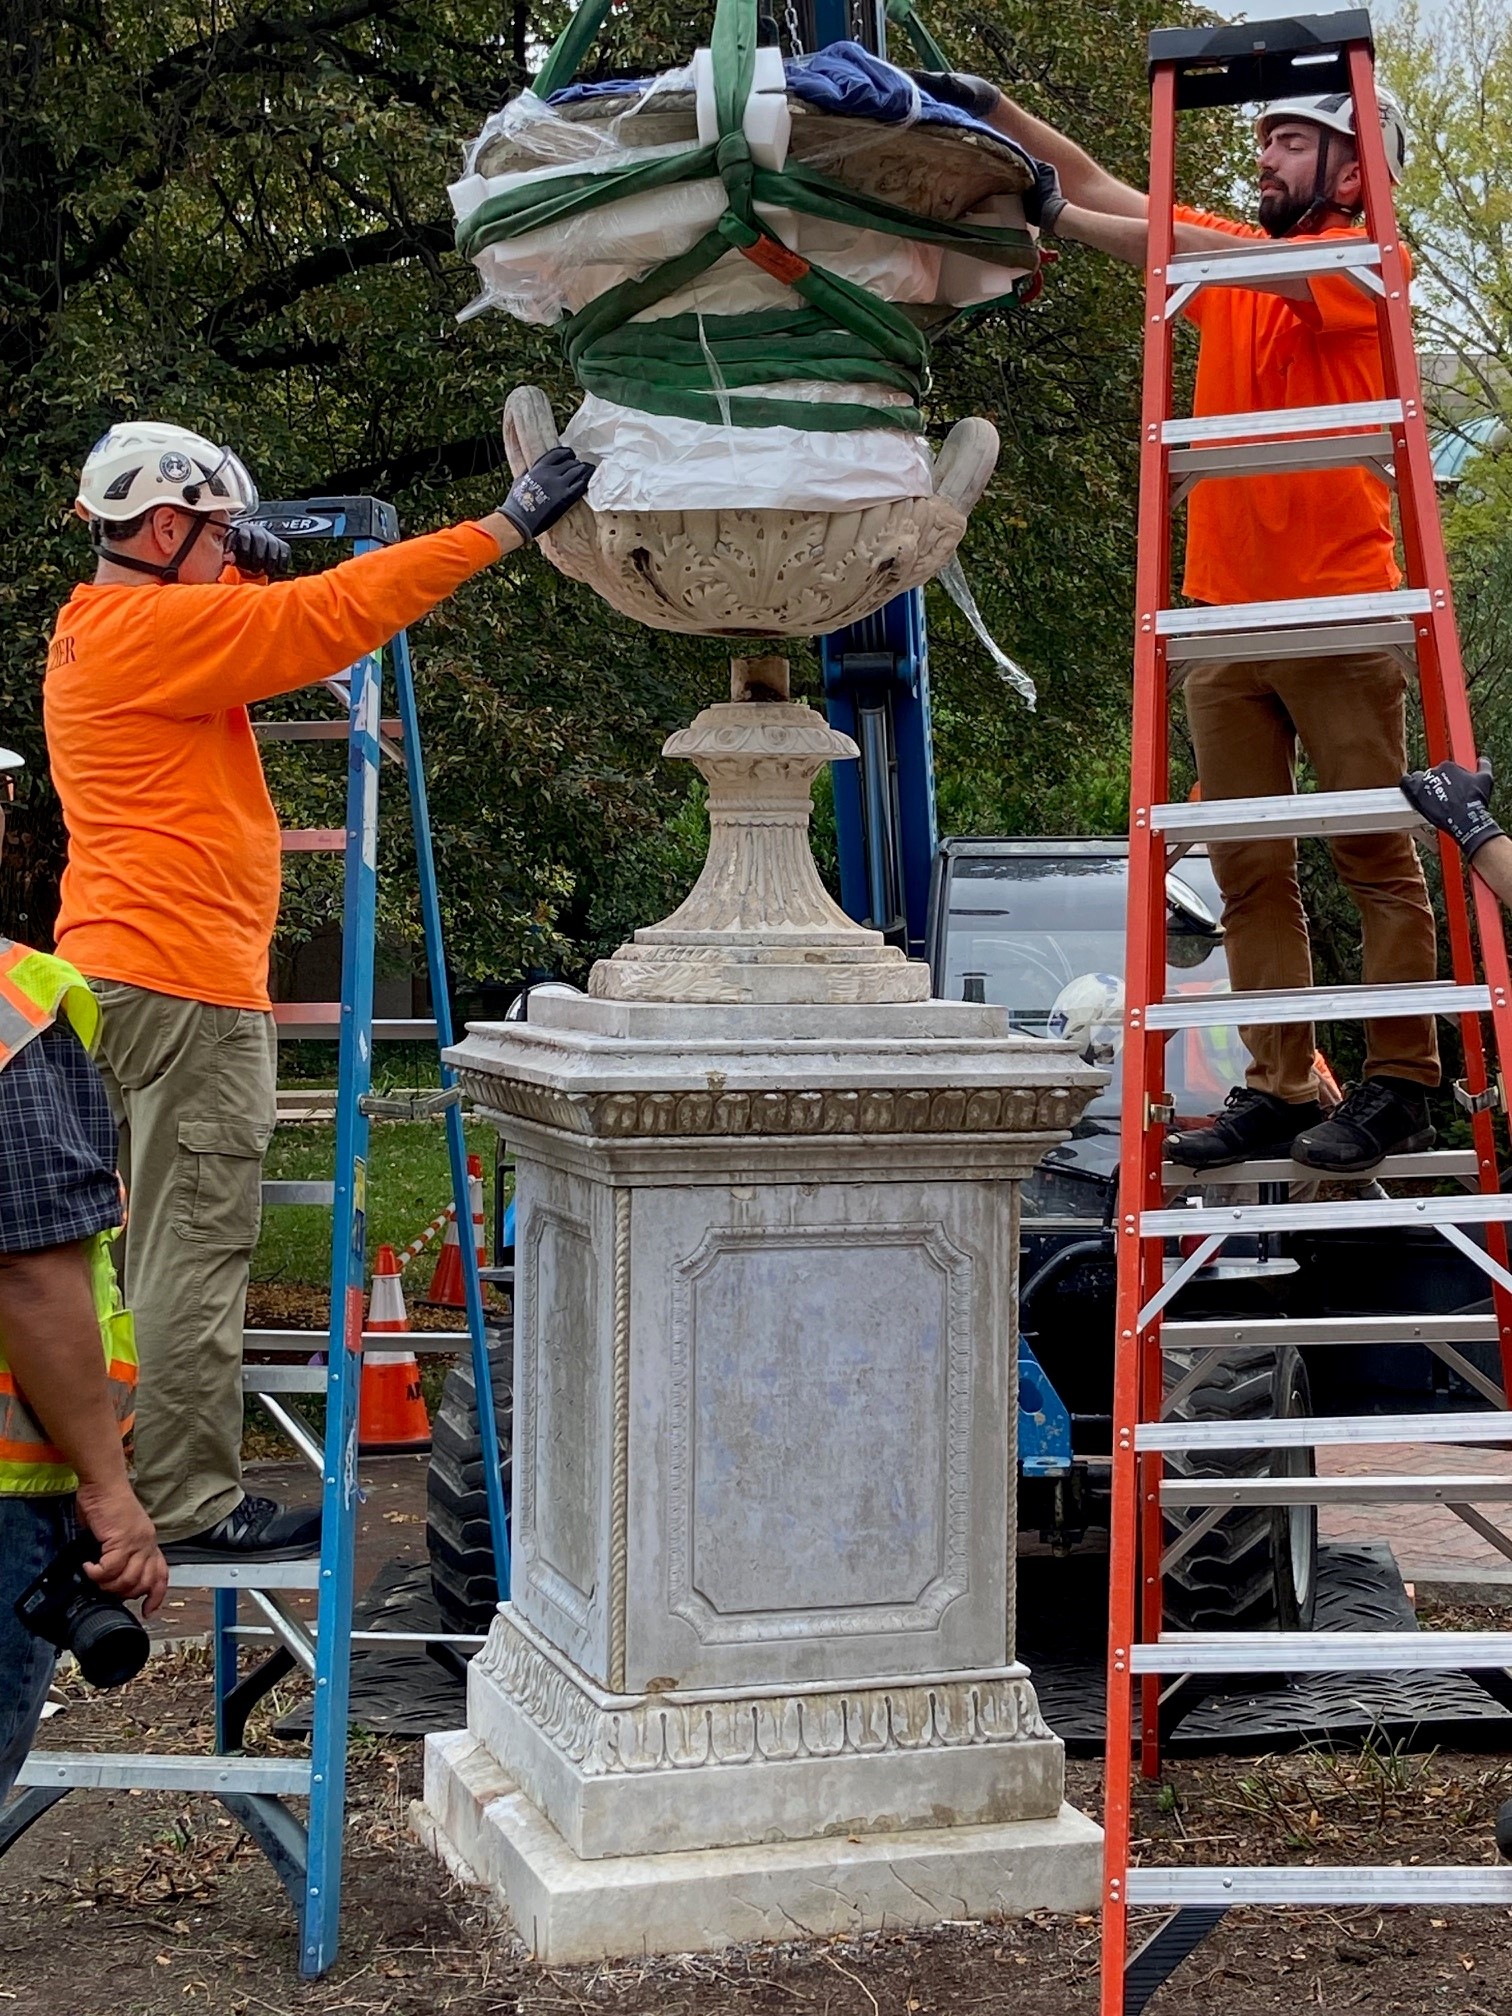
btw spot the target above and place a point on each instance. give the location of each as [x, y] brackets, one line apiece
[456, 1506]
[1257, 1569]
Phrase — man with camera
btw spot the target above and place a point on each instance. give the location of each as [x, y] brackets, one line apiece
[73, 1539]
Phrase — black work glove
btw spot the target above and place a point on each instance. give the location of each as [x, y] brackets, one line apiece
[1043, 200]
[253, 549]
[959, 88]
[1455, 800]
[552, 484]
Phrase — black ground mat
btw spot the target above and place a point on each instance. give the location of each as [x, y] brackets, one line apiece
[1359, 1589]
[397, 1690]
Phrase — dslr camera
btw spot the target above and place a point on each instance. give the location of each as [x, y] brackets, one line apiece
[69, 1611]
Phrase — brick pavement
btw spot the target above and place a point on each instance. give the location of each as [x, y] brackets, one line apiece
[1431, 1545]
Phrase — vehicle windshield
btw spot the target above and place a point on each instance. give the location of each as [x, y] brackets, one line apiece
[1021, 928]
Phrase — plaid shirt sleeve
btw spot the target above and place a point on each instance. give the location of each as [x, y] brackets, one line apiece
[57, 1146]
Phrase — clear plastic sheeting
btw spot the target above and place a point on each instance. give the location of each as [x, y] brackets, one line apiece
[540, 129]
[657, 462]
[953, 580]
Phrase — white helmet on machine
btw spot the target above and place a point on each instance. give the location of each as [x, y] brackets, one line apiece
[1334, 111]
[139, 463]
[1089, 1012]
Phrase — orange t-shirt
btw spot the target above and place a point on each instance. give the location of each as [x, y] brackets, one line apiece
[172, 880]
[1318, 532]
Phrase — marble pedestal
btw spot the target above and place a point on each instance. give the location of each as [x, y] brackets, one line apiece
[757, 1673]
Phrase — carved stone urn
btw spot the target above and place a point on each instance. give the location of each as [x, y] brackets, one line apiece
[757, 1675]
[730, 573]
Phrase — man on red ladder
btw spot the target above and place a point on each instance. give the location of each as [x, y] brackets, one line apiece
[1294, 343]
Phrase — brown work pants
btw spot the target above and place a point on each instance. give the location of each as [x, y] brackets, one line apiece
[1349, 714]
[192, 1087]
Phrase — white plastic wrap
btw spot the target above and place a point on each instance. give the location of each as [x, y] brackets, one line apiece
[657, 462]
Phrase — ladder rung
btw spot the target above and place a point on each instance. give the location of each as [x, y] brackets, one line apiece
[1316, 1004]
[313, 840]
[1189, 466]
[317, 1340]
[1393, 1490]
[1300, 814]
[320, 1021]
[1323, 1652]
[299, 1193]
[1211, 616]
[1288, 258]
[1240, 1270]
[280, 1776]
[316, 731]
[1326, 641]
[245, 1574]
[285, 1378]
[1433, 1163]
[1245, 1332]
[1387, 1884]
[1276, 423]
[1316, 1431]
[1355, 1214]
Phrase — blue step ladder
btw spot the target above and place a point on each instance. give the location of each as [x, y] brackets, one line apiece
[307, 1855]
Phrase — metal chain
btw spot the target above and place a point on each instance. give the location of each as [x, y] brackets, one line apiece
[795, 33]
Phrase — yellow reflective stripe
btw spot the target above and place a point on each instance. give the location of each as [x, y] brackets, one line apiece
[46, 983]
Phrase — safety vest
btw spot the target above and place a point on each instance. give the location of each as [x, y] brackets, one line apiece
[33, 987]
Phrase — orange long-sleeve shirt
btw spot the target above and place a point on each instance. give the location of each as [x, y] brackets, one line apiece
[1318, 532]
[172, 880]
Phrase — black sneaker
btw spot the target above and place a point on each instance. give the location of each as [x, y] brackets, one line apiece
[256, 1530]
[1384, 1116]
[1251, 1124]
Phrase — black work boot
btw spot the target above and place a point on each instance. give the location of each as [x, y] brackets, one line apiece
[1384, 1116]
[1251, 1124]
[256, 1530]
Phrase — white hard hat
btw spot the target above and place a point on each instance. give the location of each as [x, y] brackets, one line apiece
[140, 463]
[1335, 110]
[1088, 1012]
[9, 760]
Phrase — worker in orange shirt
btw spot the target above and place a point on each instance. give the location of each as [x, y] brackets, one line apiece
[170, 895]
[1292, 343]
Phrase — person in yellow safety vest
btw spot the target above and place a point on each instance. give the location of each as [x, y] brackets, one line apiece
[67, 1358]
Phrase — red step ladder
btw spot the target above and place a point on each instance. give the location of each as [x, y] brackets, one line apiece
[1155, 1518]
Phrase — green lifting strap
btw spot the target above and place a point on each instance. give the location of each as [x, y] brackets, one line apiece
[680, 364]
[930, 52]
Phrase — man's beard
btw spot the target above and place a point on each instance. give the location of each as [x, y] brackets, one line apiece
[1281, 211]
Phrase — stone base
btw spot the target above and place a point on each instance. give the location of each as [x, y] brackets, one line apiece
[570, 1911]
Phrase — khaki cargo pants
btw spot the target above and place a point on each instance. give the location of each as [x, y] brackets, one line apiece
[193, 1089]
[1349, 714]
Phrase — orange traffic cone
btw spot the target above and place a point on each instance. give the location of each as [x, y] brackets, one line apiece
[447, 1289]
[392, 1419]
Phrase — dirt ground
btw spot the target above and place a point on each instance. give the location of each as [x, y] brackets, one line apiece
[137, 1904]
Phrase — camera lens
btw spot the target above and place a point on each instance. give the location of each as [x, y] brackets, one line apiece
[108, 1642]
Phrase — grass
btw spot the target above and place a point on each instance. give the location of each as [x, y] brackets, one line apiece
[408, 1182]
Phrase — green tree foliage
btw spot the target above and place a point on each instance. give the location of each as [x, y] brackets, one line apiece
[232, 212]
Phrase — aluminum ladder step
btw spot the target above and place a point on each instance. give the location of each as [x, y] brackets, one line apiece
[1300, 815]
[1316, 1004]
[1281, 422]
[1191, 466]
[1250, 260]
[274, 1192]
[322, 731]
[1327, 640]
[281, 1777]
[1321, 1431]
[378, 1340]
[1388, 1883]
[244, 1574]
[1323, 1652]
[1270, 1332]
[1351, 1215]
[1432, 1163]
[1189, 1492]
[320, 1021]
[313, 840]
